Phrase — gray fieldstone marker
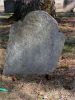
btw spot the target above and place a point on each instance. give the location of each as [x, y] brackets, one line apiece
[34, 45]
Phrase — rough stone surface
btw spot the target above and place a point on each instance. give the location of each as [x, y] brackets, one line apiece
[34, 45]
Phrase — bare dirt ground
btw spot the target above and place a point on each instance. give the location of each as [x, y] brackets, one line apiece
[59, 85]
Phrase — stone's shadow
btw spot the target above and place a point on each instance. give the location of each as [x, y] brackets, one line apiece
[1, 71]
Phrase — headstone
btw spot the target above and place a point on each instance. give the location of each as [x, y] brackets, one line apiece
[34, 45]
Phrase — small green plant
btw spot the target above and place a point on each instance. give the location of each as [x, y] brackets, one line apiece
[69, 48]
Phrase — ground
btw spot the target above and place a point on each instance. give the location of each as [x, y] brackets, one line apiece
[59, 85]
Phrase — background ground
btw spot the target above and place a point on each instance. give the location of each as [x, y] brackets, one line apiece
[59, 85]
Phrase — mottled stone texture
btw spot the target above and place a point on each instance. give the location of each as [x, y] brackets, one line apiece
[34, 45]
